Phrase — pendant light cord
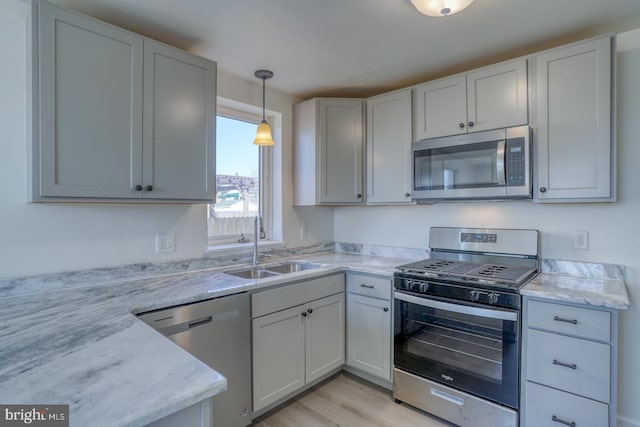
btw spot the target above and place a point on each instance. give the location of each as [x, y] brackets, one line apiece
[263, 99]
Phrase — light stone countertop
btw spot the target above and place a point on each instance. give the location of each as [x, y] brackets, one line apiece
[83, 345]
[599, 285]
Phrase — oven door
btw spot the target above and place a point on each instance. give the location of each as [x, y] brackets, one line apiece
[465, 346]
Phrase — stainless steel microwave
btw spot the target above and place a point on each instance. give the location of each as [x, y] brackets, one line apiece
[494, 164]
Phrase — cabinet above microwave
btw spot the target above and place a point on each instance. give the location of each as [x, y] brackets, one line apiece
[493, 164]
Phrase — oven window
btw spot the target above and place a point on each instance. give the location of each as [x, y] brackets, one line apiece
[478, 354]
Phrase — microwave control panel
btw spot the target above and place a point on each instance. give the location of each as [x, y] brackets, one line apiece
[516, 162]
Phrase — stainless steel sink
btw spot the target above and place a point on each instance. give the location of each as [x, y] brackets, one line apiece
[291, 267]
[262, 271]
[253, 273]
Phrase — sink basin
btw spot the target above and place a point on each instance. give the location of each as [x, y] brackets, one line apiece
[262, 271]
[254, 273]
[291, 267]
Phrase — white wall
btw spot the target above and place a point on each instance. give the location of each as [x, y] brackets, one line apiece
[39, 238]
[614, 236]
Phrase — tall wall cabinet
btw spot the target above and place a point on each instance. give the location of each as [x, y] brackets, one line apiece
[117, 116]
[576, 147]
[328, 151]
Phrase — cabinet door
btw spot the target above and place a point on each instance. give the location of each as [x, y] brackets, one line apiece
[574, 121]
[278, 355]
[497, 96]
[441, 108]
[369, 335]
[389, 148]
[90, 107]
[179, 124]
[340, 139]
[324, 336]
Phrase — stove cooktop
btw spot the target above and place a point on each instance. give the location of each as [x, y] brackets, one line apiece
[513, 276]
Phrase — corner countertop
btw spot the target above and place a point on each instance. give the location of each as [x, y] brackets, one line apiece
[598, 285]
[84, 346]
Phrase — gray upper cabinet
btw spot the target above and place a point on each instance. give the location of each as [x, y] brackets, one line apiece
[487, 98]
[576, 149]
[328, 151]
[389, 128]
[117, 116]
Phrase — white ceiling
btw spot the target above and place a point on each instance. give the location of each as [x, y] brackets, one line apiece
[358, 47]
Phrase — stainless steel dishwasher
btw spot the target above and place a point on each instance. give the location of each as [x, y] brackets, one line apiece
[218, 332]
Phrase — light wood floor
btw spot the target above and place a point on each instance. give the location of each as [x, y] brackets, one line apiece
[346, 401]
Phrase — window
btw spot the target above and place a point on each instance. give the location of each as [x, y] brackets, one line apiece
[240, 176]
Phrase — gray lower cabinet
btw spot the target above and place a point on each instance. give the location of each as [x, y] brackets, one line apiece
[573, 123]
[569, 365]
[369, 325]
[198, 415]
[116, 116]
[298, 334]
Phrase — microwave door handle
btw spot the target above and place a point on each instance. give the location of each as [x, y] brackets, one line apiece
[500, 172]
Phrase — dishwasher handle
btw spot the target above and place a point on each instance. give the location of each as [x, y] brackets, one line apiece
[177, 328]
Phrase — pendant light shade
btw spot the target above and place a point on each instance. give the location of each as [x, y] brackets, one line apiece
[263, 134]
[440, 8]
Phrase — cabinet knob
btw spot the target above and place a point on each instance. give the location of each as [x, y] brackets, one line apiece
[385, 309]
[543, 189]
[149, 188]
[359, 196]
[138, 188]
[310, 311]
[304, 314]
[407, 194]
[461, 125]
[470, 124]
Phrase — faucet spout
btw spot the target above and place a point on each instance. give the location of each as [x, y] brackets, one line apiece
[255, 240]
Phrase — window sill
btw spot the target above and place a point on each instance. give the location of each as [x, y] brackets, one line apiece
[232, 248]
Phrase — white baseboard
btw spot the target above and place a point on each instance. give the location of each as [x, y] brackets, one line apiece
[626, 422]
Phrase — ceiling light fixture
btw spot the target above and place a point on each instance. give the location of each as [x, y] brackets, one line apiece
[440, 8]
[263, 134]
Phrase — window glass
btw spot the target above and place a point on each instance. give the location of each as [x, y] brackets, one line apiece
[238, 173]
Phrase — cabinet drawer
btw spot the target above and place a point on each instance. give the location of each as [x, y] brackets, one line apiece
[377, 287]
[299, 293]
[543, 403]
[566, 319]
[547, 352]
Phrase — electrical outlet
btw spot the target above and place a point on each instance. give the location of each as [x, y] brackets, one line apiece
[165, 243]
[581, 240]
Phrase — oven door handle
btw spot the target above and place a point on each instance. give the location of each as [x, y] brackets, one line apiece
[458, 308]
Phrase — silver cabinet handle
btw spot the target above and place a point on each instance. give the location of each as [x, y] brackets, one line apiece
[561, 421]
[566, 365]
[366, 286]
[560, 319]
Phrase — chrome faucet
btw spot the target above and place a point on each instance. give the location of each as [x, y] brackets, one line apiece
[255, 240]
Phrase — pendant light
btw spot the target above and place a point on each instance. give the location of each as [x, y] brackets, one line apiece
[440, 8]
[263, 134]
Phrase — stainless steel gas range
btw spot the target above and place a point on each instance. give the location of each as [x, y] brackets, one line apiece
[457, 325]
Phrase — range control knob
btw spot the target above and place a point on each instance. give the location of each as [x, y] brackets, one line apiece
[417, 286]
[475, 295]
[424, 287]
[407, 284]
[493, 297]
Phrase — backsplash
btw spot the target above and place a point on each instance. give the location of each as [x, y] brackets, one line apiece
[385, 251]
[584, 269]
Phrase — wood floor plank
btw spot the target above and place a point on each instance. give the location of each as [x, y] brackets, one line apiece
[346, 401]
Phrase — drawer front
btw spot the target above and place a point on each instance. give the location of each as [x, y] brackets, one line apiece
[566, 319]
[542, 404]
[362, 284]
[281, 298]
[547, 355]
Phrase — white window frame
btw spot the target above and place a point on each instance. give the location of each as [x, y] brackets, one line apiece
[251, 114]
